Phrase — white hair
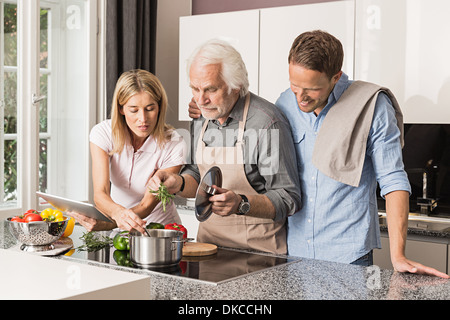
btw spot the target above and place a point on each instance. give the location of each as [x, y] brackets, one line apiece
[233, 71]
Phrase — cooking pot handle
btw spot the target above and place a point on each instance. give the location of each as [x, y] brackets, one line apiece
[183, 240]
[174, 242]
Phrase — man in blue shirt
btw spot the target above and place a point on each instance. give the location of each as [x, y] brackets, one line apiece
[339, 222]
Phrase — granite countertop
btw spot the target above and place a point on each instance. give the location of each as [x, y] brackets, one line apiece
[303, 279]
[428, 226]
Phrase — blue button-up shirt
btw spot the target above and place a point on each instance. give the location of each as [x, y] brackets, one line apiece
[338, 222]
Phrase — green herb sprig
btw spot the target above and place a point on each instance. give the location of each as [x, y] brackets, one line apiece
[163, 195]
[94, 242]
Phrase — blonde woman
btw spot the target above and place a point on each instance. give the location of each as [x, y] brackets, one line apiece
[127, 150]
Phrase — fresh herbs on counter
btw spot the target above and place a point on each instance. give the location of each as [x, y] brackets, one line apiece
[94, 242]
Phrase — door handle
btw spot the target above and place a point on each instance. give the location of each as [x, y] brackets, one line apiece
[35, 99]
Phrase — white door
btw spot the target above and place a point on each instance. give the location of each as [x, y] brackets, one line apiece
[47, 97]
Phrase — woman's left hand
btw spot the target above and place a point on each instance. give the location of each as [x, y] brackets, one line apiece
[91, 224]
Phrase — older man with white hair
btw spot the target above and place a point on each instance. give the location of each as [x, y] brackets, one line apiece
[250, 140]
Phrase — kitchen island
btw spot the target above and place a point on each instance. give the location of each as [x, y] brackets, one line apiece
[298, 278]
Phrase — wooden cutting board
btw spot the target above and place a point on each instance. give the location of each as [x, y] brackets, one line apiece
[198, 249]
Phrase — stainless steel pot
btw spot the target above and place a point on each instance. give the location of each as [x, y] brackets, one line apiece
[163, 248]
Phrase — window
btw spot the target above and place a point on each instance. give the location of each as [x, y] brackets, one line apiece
[45, 145]
[8, 103]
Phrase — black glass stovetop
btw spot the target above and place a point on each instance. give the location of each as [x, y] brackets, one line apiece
[225, 265]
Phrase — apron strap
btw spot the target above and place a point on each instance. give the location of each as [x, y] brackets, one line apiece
[202, 133]
[244, 120]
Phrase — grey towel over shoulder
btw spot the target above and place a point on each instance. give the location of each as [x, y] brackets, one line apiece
[340, 146]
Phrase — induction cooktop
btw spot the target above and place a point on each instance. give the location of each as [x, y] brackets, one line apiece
[225, 265]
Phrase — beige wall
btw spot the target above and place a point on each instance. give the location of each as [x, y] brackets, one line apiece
[215, 6]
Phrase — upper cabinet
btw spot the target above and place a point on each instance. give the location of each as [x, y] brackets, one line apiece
[240, 29]
[404, 45]
[279, 28]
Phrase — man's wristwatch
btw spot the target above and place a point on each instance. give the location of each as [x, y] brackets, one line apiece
[244, 206]
[182, 184]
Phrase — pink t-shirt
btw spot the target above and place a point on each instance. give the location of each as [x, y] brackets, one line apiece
[130, 171]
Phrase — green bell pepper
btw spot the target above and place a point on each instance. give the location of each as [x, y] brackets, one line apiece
[121, 241]
[122, 258]
[155, 225]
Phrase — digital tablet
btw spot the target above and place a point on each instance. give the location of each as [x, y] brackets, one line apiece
[83, 208]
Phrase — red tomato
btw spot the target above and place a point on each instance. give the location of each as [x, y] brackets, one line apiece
[31, 211]
[33, 217]
[18, 219]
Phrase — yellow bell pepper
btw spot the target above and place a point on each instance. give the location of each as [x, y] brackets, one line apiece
[47, 213]
[69, 227]
[70, 252]
[52, 215]
[58, 215]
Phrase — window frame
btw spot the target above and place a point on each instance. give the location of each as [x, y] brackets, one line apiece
[28, 82]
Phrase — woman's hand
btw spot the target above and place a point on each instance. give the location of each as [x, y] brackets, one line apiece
[91, 224]
[127, 220]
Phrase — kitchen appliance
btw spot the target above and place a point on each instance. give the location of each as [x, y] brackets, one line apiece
[161, 248]
[37, 236]
[225, 265]
[204, 191]
[427, 163]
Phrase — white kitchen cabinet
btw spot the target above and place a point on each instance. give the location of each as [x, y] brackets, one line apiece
[279, 28]
[50, 279]
[398, 44]
[189, 221]
[264, 37]
[404, 46]
[240, 29]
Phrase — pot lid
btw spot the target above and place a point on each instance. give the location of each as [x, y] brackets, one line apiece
[205, 190]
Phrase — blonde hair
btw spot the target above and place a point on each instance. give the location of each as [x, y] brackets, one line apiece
[131, 83]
